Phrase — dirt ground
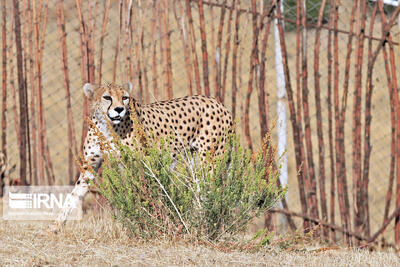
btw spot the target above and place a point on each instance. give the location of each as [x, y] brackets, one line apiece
[100, 241]
[27, 241]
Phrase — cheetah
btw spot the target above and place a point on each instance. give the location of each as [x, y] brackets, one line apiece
[3, 172]
[197, 123]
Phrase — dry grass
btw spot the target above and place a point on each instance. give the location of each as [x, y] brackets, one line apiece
[54, 102]
[100, 241]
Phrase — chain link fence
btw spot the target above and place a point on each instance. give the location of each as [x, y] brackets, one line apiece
[135, 44]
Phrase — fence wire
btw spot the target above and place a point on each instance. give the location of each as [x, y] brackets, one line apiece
[134, 48]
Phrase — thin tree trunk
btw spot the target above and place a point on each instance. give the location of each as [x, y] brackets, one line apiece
[213, 50]
[292, 110]
[4, 87]
[167, 47]
[234, 61]
[143, 51]
[154, 41]
[184, 38]
[72, 146]
[312, 186]
[330, 120]
[218, 55]
[321, 145]
[85, 61]
[117, 45]
[367, 131]
[360, 221]
[12, 84]
[204, 49]
[262, 96]
[392, 96]
[23, 107]
[103, 32]
[192, 39]
[253, 64]
[386, 32]
[25, 46]
[344, 204]
[227, 50]
[33, 116]
[303, 175]
[39, 38]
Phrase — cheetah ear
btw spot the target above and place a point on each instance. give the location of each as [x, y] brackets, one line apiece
[88, 89]
[130, 88]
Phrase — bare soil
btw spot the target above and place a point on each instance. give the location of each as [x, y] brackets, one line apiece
[98, 240]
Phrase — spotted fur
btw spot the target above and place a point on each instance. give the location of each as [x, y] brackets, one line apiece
[3, 172]
[196, 123]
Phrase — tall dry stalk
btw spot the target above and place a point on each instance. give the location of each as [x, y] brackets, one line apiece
[299, 155]
[4, 86]
[387, 37]
[303, 175]
[360, 219]
[40, 15]
[167, 47]
[227, 51]
[91, 36]
[312, 183]
[118, 40]
[213, 50]
[72, 146]
[180, 23]
[33, 117]
[4, 76]
[162, 53]
[192, 38]
[101, 45]
[330, 122]
[154, 44]
[321, 145]
[344, 204]
[144, 57]
[262, 92]
[11, 56]
[23, 107]
[393, 138]
[234, 60]
[253, 64]
[26, 35]
[128, 48]
[218, 55]
[87, 59]
[204, 48]
[393, 114]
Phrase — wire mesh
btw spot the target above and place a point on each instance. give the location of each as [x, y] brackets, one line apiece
[137, 54]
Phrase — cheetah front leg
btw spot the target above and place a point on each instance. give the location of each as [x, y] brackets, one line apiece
[77, 194]
[94, 156]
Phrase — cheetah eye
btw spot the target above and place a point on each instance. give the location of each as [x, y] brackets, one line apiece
[107, 97]
[125, 98]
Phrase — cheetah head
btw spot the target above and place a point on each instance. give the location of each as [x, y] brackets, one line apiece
[110, 99]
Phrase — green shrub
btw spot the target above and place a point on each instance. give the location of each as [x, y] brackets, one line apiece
[213, 200]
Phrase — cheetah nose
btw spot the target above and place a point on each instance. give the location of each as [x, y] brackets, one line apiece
[119, 109]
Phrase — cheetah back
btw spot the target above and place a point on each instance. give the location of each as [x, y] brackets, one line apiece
[199, 123]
